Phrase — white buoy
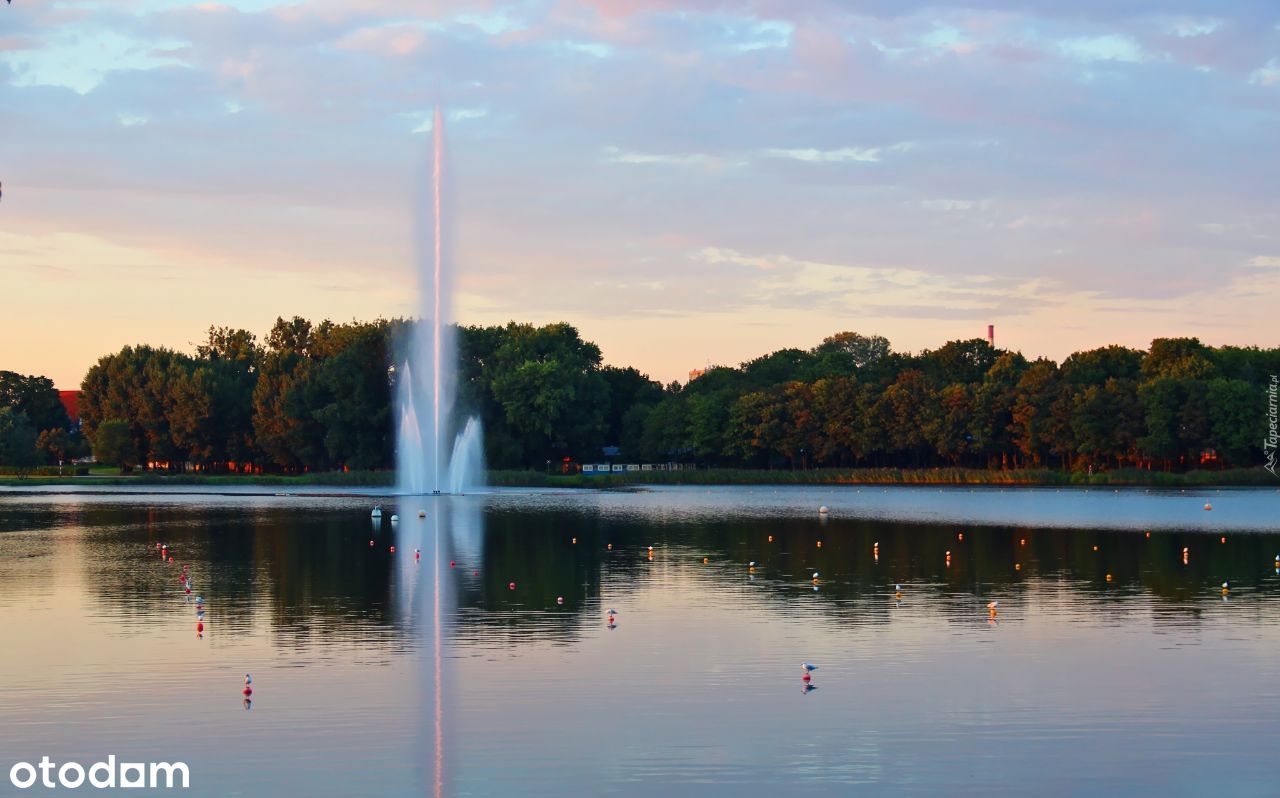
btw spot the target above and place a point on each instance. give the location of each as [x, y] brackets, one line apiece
[823, 510]
[395, 519]
[377, 513]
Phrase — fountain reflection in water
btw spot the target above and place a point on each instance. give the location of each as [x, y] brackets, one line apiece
[426, 384]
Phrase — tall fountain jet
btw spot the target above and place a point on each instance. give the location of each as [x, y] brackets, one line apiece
[426, 382]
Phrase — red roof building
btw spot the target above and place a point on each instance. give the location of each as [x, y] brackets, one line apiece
[71, 401]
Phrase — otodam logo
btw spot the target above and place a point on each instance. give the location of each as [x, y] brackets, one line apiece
[1269, 443]
[106, 775]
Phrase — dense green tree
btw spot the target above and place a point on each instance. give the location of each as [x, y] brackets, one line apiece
[948, 424]
[34, 397]
[1096, 366]
[628, 388]
[548, 383]
[1238, 425]
[862, 350]
[17, 440]
[113, 443]
[55, 444]
[1032, 427]
[959, 361]
[1107, 421]
[1178, 359]
[666, 430]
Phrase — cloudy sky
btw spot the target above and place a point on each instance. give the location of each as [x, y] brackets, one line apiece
[687, 182]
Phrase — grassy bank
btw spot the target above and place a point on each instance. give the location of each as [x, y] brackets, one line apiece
[723, 476]
[892, 476]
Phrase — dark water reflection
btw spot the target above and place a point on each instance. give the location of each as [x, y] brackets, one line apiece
[1114, 665]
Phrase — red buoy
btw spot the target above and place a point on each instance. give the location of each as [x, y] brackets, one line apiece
[393, 549]
[247, 690]
[511, 586]
[200, 626]
[170, 559]
[452, 563]
[371, 543]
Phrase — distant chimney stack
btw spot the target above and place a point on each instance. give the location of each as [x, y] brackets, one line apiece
[991, 335]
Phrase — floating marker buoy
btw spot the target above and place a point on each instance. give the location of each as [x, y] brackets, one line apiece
[1223, 539]
[1208, 506]
[395, 519]
[422, 513]
[1108, 577]
[819, 544]
[417, 554]
[609, 546]
[1226, 588]
[199, 626]
[1095, 548]
[559, 599]
[393, 549]
[371, 543]
[452, 563]
[511, 586]
[377, 513]
[823, 510]
[1148, 534]
[574, 541]
[170, 559]
[960, 536]
[1017, 566]
[1022, 542]
[475, 573]
[771, 538]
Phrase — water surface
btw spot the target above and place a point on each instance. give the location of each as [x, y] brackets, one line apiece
[1114, 666]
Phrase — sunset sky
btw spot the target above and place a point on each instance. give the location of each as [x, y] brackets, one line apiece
[686, 182]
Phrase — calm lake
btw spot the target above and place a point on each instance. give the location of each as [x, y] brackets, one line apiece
[489, 666]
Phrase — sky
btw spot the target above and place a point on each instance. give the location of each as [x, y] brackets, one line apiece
[688, 183]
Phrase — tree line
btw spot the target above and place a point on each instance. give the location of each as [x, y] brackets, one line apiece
[319, 396]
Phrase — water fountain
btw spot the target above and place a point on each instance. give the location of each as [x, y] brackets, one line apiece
[427, 381]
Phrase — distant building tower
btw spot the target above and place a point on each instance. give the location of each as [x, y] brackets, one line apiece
[991, 335]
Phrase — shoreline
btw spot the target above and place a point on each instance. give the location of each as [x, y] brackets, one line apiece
[930, 477]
